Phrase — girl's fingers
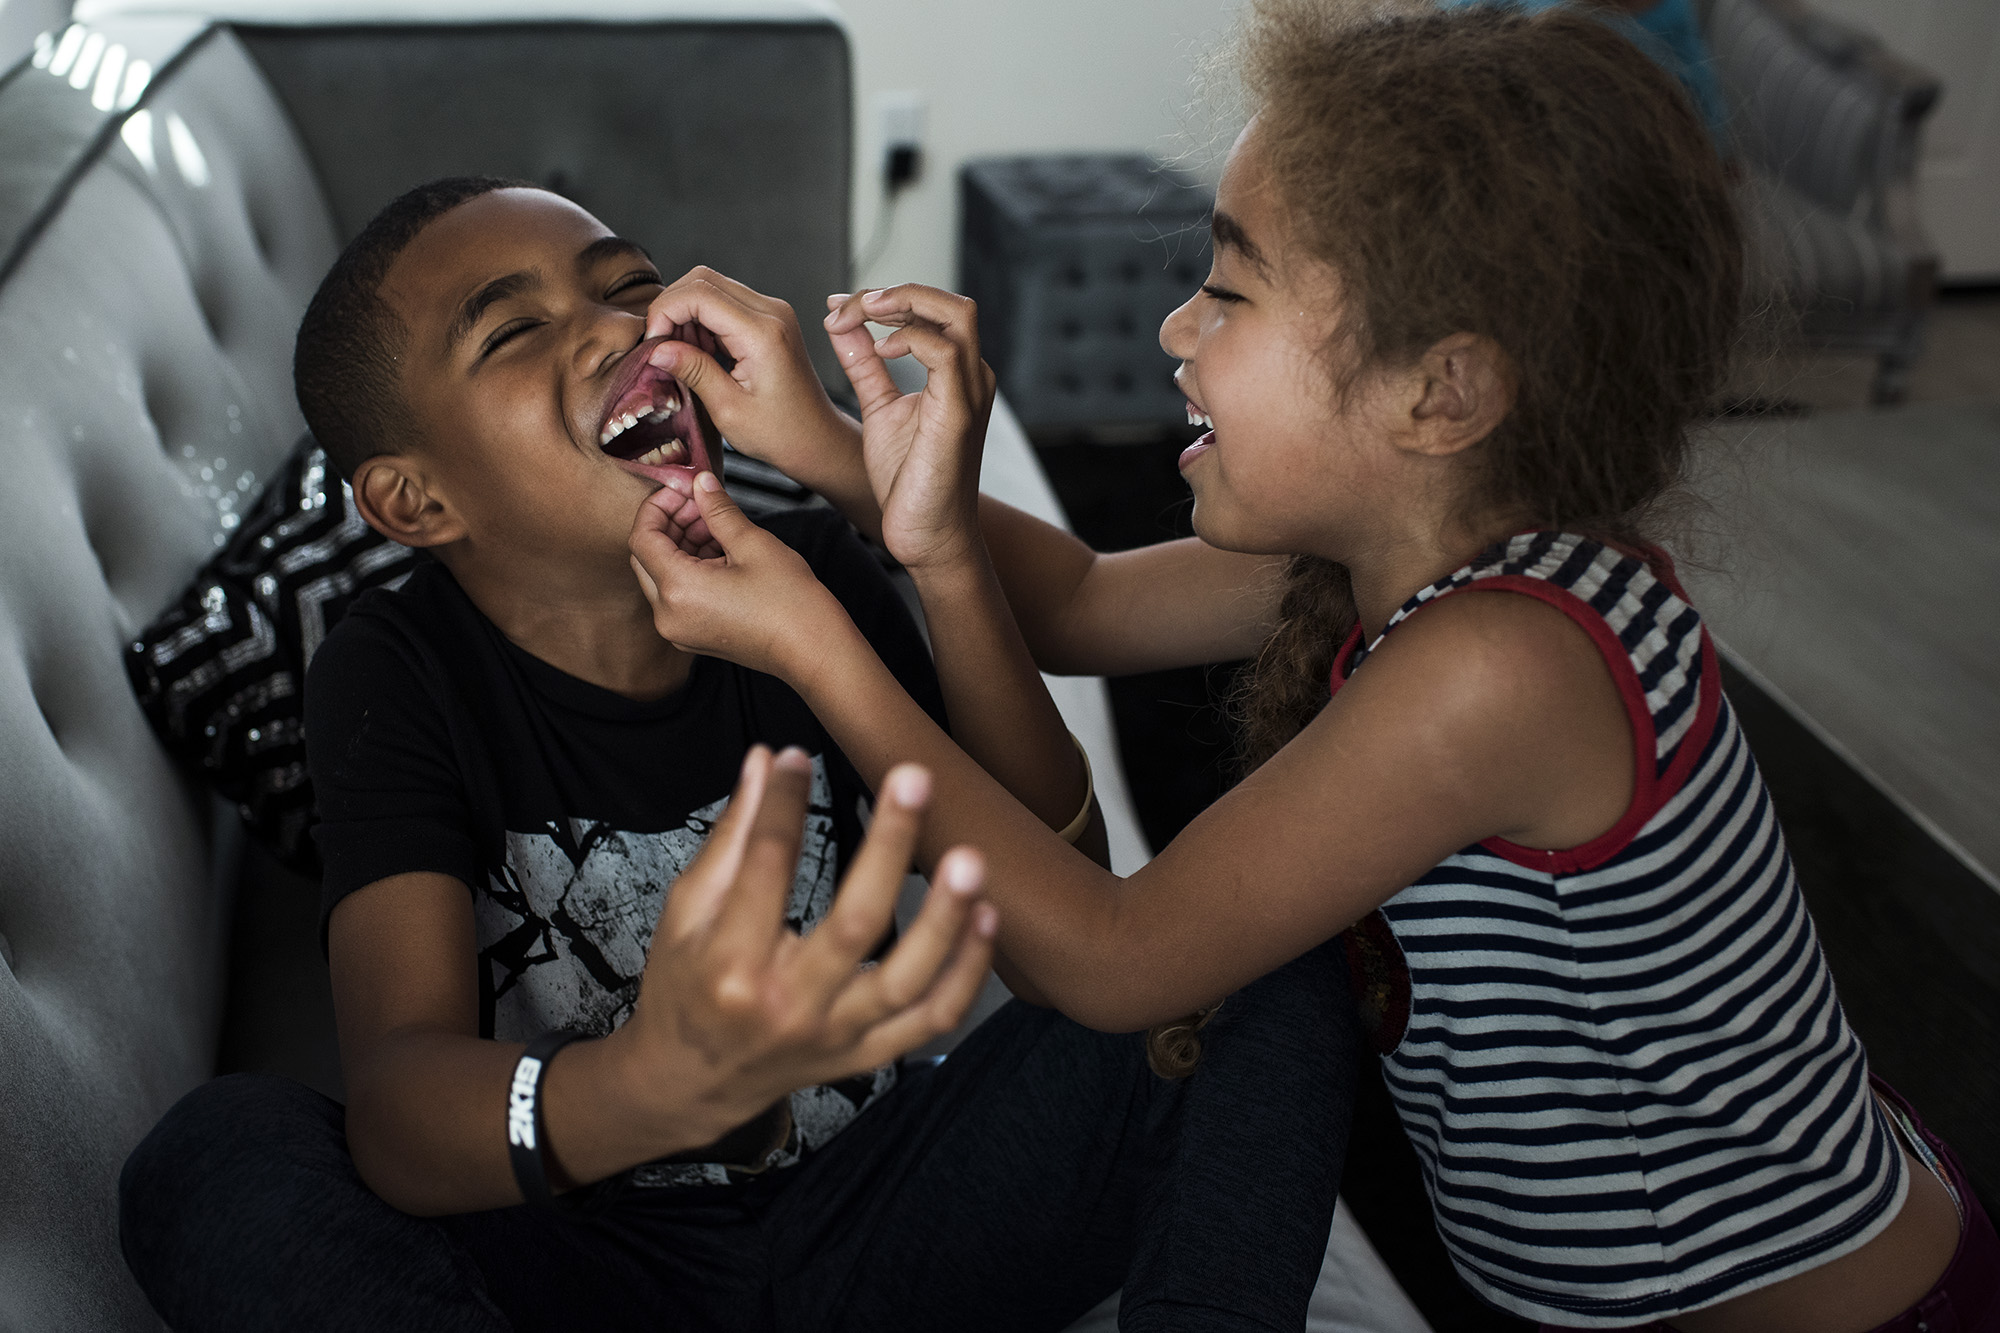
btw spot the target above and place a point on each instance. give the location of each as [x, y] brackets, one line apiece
[727, 526]
[655, 545]
[721, 305]
[947, 1002]
[854, 345]
[956, 315]
[947, 359]
[921, 956]
[704, 377]
[865, 907]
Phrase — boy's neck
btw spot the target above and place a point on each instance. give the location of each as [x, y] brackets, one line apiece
[594, 625]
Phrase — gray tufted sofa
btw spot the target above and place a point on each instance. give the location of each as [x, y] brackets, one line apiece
[1829, 126]
[160, 234]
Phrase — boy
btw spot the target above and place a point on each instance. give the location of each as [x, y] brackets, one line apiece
[511, 765]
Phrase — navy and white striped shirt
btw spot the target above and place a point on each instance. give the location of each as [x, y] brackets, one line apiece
[1623, 1066]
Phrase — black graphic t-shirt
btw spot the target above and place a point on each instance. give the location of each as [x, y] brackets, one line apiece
[436, 744]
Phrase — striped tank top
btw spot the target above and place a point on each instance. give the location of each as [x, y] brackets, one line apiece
[1623, 1067]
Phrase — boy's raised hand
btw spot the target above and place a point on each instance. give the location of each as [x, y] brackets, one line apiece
[764, 1011]
[921, 450]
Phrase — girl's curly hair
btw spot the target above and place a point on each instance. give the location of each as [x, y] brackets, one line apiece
[1534, 179]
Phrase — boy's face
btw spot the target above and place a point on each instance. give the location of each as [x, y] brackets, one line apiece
[537, 417]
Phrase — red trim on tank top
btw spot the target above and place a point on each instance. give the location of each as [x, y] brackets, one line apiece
[1651, 789]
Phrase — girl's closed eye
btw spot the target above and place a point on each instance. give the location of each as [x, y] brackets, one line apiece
[1214, 292]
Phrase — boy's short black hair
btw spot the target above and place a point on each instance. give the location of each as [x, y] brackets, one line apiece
[344, 364]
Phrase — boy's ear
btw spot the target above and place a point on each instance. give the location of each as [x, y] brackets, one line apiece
[391, 493]
[1465, 389]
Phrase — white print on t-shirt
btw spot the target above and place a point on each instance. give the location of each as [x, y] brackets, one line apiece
[564, 927]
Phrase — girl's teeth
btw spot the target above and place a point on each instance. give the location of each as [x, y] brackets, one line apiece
[1199, 418]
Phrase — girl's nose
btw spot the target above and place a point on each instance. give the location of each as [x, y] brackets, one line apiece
[1177, 331]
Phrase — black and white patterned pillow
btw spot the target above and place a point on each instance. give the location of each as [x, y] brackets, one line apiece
[221, 673]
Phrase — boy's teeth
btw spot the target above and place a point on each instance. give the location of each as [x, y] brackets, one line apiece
[1199, 418]
[673, 451]
[614, 428]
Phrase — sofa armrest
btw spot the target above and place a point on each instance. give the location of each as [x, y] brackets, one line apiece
[1822, 106]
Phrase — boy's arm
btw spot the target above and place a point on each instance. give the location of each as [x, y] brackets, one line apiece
[734, 1010]
[1081, 613]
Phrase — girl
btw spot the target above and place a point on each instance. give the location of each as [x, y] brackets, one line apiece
[1475, 273]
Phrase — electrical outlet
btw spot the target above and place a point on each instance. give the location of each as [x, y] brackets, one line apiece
[899, 116]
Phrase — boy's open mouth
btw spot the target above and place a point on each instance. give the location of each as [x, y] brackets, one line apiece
[650, 424]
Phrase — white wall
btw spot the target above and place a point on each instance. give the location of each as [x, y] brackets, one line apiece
[1015, 76]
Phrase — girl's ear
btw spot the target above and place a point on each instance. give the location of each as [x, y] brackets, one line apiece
[1467, 390]
[391, 495]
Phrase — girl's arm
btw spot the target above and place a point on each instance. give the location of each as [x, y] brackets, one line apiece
[1180, 603]
[1487, 715]
[1086, 613]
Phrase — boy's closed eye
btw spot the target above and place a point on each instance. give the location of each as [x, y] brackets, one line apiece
[640, 285]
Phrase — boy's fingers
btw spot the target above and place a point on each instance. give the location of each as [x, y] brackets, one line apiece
[866, 904]
[945, 1006]
[693, 900]
[752, 913]
[920, 957]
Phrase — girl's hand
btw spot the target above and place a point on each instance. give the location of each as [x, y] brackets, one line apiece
[921, 450]
[767, 400]
[755, 603]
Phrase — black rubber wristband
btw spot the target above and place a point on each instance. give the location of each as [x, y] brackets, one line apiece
[527, 1138]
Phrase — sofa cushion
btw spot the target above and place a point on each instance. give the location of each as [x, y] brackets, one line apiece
[221, 672]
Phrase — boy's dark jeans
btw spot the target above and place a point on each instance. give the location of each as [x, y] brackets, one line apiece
[1009, 1189]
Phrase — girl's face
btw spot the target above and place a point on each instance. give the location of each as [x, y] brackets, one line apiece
[1284, 469]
